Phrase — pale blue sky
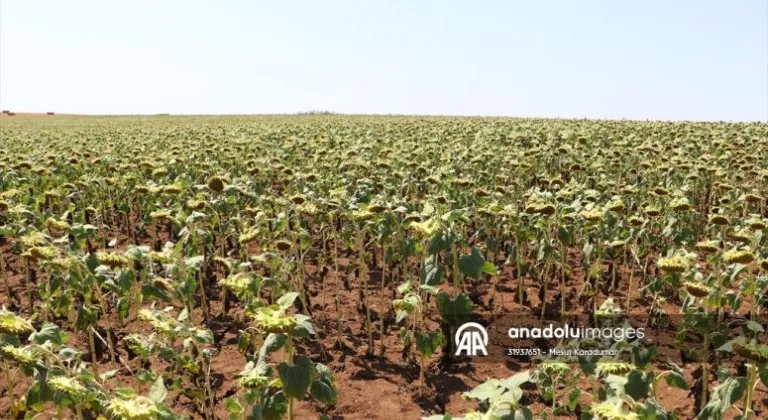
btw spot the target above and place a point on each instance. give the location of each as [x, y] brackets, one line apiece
[660, 59]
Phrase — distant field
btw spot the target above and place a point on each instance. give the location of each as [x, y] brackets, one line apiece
[320, 265]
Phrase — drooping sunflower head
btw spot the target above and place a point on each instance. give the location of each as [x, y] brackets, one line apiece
[719, 220]
[216, 184]
[133, 408]
[755, 223]
[594, 215]
[196, 204]
[12, 324]
[741, 256]
[249, 236]
[554, 368]
[652, 211]
[57, 225]
[37, 253]
[616, 205]
[238, 283]
[673, 264]
[696, 289]
[614, 367]
[751, 351]
[680, 204]
[273, 321]
[613, 410]
[708, 246]
[161, 321]
[26, 356]
[112, 260]
[71, 387]
[283, 245]
[171, 189]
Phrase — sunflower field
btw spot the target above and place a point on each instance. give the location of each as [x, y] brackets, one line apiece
[318, 267]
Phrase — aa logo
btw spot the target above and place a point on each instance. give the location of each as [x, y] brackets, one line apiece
[471, 338]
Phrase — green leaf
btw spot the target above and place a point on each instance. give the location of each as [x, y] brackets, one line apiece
[676, 379]
[428, 342]
[453, 215]
[516, 380]
[234, 408]
[271, 344]
[149, 290]
[296, 377]
[754, 327]
[522, 413]
[109, 375]
[303, 326]
[762, 371]
[440, 242]
[274, 408]
[431, 272]
[573, 399]
[123, 308]
[286, 300]
[731, 390]
[204, 336]
[472, 265]
[487, 391]
[638, 384]
[323, 392]
[454, 312]
[489, 268]
[158, 393]
[49, 332]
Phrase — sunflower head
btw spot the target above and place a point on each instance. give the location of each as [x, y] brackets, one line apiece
[68, 386]
[554, 368]
[112, 260]
[756, 223]
[12, 324]
[614, 367]
[196, 204]
[719, 220]
[672, 264]
[696, 289]
[376, 208]
[216, 184]
[26, 356]
[248, 236]
[133, 408]
[546, 209]
[238, 283]
[616, 205]
[283, 245]
[171, 189]
[57, 225]
[708, 246]
[273, 321]
[652, 211]
[680, 204]
[37, 253]
[741, 256]
[613, 410]
[751, 351]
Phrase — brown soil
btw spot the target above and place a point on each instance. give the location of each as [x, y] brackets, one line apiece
[369, 387]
